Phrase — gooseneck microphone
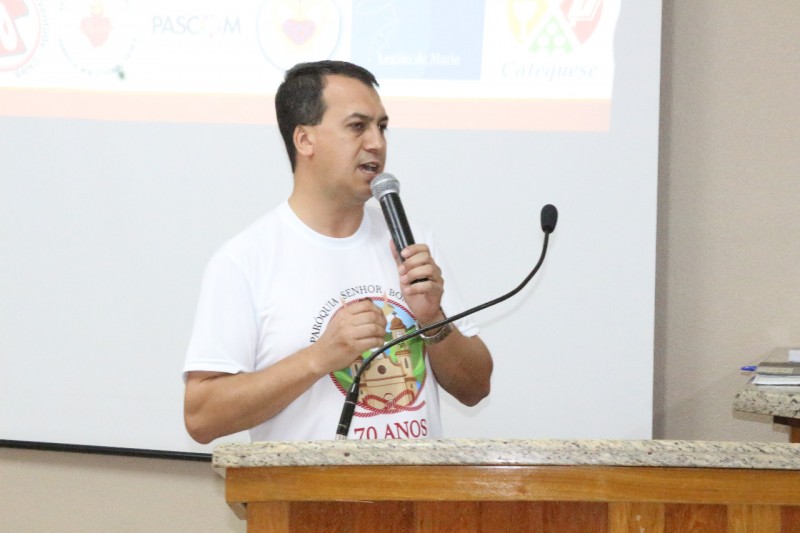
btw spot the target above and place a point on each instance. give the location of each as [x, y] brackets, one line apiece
[548, 217]
[386, 189]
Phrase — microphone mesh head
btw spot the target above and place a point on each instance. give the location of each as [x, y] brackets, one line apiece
[384, 184]
[549, 218]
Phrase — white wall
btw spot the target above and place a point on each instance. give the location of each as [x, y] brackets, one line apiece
[729, 223]
[57, 491]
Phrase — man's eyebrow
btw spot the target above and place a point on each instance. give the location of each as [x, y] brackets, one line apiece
[368, 118]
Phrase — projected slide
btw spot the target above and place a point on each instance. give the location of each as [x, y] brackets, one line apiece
[475, 64]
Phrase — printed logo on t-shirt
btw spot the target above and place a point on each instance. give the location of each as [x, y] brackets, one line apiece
[393, 382]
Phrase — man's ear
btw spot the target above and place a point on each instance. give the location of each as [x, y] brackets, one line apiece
[303, 140]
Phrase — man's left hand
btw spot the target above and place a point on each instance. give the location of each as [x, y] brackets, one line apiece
[421, 282]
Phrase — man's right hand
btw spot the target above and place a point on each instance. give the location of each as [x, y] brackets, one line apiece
[355, 328]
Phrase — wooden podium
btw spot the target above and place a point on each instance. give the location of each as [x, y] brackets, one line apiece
[514, 486]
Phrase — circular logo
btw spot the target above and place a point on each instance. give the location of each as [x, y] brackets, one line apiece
[20, 32]
[392, 382]
[293, 31]
[97, 36]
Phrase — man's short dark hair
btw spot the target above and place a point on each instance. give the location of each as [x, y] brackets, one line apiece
[299, 98]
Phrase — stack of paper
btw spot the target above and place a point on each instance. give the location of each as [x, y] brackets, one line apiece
[774, 380]
[779, 368]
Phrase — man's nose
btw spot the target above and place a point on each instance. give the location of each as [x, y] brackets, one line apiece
[375, 139]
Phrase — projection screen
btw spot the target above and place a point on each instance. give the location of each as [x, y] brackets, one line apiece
[137, 137]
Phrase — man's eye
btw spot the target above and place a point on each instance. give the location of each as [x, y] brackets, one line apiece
[357, 125]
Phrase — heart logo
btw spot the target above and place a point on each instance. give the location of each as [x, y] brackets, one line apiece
[299, 31]
[97, 28]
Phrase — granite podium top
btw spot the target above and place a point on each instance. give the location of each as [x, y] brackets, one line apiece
[494, 452]
[775, 401]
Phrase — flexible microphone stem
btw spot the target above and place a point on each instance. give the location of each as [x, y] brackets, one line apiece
[351, 399]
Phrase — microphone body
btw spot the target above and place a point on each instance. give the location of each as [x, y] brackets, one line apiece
[386, 189]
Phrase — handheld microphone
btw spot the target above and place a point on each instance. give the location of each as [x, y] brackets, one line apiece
[548, 217]
[386, 189]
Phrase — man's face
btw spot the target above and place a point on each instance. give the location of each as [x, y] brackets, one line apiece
[350, 143]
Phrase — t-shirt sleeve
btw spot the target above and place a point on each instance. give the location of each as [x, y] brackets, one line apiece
[225, 333]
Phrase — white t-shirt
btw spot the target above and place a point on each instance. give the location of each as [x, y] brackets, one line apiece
[271, 291]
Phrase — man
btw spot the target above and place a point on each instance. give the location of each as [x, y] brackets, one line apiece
[289, 306]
